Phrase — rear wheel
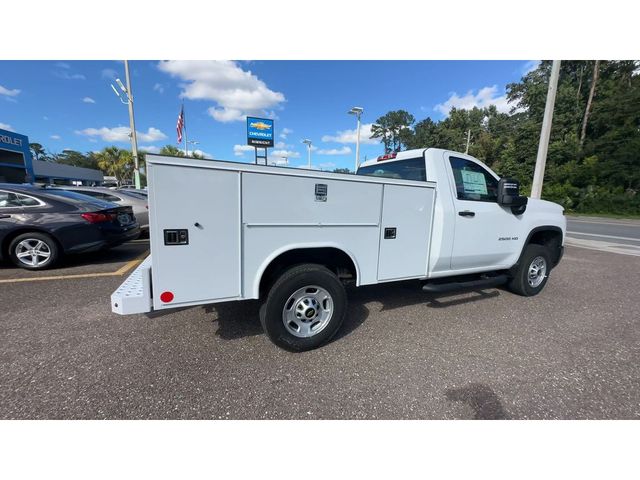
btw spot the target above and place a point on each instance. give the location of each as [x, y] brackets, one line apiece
[34, 251]
[305, 307]
[533, 271]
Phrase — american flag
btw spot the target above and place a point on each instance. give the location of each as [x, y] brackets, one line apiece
[180, 125]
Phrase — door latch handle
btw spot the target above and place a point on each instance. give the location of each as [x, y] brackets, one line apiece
[5, 215]
[467, 213]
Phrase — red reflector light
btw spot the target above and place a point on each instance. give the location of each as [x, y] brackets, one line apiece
[388, 156]
[98, 217]
[166, 297]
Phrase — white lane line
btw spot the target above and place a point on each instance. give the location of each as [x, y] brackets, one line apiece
[571, 220]
[603, 236]
[618, 248]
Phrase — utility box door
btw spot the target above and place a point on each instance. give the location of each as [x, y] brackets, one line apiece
[206, 204]
[405, 232]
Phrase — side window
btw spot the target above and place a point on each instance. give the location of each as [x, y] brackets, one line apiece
[9, 200]
[28, 201]
[473, 182]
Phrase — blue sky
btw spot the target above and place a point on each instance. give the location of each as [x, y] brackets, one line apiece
[70, 104]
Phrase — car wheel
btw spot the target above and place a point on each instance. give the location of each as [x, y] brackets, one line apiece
[304, 308]
[34, 251]
[533, 271]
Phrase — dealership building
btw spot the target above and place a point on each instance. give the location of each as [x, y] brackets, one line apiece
[17, 165]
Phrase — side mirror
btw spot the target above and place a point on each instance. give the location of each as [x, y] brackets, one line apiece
[509, 195]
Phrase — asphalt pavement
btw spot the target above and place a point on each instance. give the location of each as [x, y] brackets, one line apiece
[572, 352]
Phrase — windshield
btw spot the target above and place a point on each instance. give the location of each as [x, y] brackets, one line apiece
[411, 169]
[77, 197]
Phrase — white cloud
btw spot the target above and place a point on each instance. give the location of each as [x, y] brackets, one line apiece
[158, 87]
[349, 136]
[88, 100]
[109, 73]
[63, 65]
[285, 132]
[206, 155]
[149, 148]
[69, 76]
[121, 134]
[285, 153]
[485, 97]
[9, 92]
[239, 150]
[6, 126]
[336, 151]
[237, 92]
[45, 118]
[327, 166]
[530, 66]
[55, 137]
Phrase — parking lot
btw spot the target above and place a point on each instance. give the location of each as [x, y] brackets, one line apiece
[572, 352]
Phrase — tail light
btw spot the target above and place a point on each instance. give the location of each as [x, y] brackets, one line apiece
[93, 217]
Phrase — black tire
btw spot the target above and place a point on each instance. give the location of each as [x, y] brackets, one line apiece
[520, 282]
[49, 245]
[293, 280]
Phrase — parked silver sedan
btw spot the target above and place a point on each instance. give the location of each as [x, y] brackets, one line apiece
[136, 201]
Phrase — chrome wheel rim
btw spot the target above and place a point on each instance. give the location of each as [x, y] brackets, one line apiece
[537, 271]
[307, 311]
[33, 252]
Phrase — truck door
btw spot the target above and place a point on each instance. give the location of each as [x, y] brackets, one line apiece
[486, 234]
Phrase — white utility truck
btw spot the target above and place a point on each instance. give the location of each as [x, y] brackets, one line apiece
[223, 231]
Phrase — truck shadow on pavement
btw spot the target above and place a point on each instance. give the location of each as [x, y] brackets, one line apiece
[485, 403]
[241, 319]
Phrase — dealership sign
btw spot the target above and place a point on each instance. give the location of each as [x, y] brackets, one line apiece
[260, 132]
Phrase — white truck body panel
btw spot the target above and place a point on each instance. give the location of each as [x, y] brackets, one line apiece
[247, 215]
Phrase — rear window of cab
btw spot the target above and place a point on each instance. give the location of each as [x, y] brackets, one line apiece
[410, 169]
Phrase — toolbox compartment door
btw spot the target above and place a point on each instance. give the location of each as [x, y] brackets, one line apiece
[195, 234]
[405, 232]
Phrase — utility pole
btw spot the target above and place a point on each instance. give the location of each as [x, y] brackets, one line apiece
[134, 138]
[545, 132]
[466, 151]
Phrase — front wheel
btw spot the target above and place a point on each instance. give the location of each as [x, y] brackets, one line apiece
[533, 271]
[305, 307]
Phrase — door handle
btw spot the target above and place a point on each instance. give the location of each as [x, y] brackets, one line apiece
[467, 213]
[5, 215]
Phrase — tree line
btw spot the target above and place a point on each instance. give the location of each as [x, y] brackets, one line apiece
[593, 163]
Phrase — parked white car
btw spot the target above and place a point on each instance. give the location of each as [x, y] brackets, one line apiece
[223, 231]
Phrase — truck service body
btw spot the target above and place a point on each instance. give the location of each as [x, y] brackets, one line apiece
[223, 231]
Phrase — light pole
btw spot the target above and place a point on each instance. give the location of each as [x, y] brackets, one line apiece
[307, 142]
[545, 132]
[134, 139]
[192, 142]
[357, 111]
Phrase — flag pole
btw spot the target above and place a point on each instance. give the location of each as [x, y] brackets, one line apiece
[184, 121]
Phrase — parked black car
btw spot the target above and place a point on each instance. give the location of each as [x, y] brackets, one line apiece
[38, 226]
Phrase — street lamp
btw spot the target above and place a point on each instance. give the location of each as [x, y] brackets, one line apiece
[357, 111]
[129, 101]
[192, 142]
[307, 142]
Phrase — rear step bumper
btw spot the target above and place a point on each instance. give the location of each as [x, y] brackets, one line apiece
[134, 295]
[488, 282]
